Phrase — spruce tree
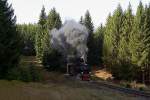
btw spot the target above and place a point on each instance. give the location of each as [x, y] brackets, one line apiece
[137, 44]
[98, 45]
[125, 36]
[117, 26]
[145, 43]
[42, 31]
[51, 57]
[114, 30]
[43, 17]
[53, 20]
[124, 51]
[126, 47]
[89, 25]
[113, 33]
[9, 39]
[107, 42]
[137, 34]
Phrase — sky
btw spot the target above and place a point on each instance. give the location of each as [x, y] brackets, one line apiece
[28, 11]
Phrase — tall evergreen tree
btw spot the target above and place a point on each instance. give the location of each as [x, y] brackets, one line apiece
[43, 17]
[42, 31]
[126, 46]
[9, 39]
[143, 62]
[146, 41]
[107, 42]
[114, 30]
[124, 51]
[113, 33]
[117, 25]
[98, 45]
[51, 57]
[89, 25]
[137, 45]
[137, 33]
[53, 20]
[126, 32]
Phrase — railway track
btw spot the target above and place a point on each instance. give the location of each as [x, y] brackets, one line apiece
[100, 84]
[121, 89]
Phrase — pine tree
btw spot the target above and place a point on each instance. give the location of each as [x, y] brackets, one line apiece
[117, 31]
[145, 43]
[42, 31]
[107, 42]
[89, 25]
[128, 22]
[53, 20]
[88, 22]
[51, 57]
[126, 47]
[9, 39]
[113, 33]
[43, 17]
[124, 51]
[137, 44]
[98, 45]
[138, 34]
[114, 30]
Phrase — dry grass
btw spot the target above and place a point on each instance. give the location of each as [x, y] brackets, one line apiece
[15, 90]
[56, 88]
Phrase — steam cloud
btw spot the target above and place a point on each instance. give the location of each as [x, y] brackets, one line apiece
[71, 39]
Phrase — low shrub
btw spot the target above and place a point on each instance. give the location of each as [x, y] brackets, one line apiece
[25, 73]
[53, 61]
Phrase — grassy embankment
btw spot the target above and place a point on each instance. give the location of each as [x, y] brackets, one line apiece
[57, 87]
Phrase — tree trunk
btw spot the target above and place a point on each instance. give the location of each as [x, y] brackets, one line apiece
[149, 73]
[143, 77]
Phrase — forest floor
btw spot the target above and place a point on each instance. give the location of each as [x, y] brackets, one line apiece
[57, 87]
[59, 90]
[106, 76]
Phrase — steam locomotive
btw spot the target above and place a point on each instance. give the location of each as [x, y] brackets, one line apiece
[77, 67]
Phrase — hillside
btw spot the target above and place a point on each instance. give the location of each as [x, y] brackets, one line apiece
[57, 87]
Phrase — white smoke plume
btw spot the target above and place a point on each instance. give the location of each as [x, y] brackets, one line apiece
[71, 39]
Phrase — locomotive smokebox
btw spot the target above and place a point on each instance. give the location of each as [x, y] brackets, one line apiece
[76, 65]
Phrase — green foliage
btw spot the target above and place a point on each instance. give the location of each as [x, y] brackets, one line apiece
[87, 21]
[51, 58]
[10, 43]
[25, 73]
[107, 43]
[53, 20]
[28, 33]
[128, 23]
[34, 73]
[117, 24]
[40, 35]
[126, 48]
[98, 45]
[112, 37]
[46, 24]
[53, 61]
[42, 19]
